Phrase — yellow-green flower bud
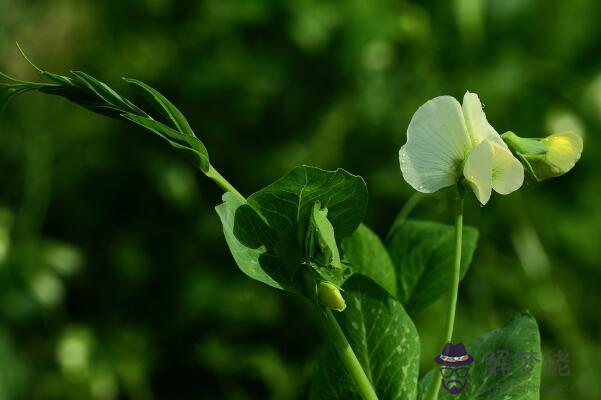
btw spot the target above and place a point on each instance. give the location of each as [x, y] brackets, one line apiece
[548, 157]
[329, 296]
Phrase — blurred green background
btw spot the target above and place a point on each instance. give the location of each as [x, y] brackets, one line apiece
[115, 280]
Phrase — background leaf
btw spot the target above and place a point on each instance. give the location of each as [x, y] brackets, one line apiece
[422, 253]
[516, 342]
[368, 256]
[278, 216]
[384, 340]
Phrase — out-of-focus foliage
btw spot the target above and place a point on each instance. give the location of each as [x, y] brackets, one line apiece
[115, 279]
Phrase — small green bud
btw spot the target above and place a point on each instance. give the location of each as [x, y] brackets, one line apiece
[548, 157]
[329, 296]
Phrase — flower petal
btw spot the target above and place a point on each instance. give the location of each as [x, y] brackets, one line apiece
[478, 170]
[476, 122]
[437, 143]
[507, 171]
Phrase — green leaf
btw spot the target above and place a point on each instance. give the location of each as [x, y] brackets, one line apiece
[189, 144]
[248, 259]
[423, 254]
[162, 105]
[507, 364]
[366, 255]
[104, 92]
[97, 96]
[287, 203]
[279, 216]
[384, 339]
[82, 89]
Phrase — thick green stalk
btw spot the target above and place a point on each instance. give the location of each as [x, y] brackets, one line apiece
[343, 347]
[453, 294]
[348, 358]
[222, 182]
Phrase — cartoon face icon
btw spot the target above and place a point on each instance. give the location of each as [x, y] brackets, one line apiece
[454, 379]
[454, 367]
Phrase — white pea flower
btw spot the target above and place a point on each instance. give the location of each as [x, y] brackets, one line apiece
[447, 141]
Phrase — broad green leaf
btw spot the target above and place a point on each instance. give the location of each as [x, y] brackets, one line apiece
[384, 339]
[507, 364]
[288, 202]
[366, 255]
[248, 259]
[423, 254]
[162, 105]
[190, 144]
[278, 217]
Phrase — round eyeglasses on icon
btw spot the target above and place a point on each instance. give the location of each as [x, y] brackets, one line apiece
[454, 367]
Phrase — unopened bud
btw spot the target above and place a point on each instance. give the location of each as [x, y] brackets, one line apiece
[329, 296]
[549, 157]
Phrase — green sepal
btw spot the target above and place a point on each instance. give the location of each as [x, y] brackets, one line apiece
[547, 157]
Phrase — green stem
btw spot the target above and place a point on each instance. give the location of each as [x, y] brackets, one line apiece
[456, 265]
[407, 208]
[348, 357]
[453, 294]
[222, 182]
[343, 348]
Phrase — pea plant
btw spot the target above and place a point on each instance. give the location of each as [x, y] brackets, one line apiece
[304, 234]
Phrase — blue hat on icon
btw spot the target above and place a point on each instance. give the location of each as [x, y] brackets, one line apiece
[454, 355]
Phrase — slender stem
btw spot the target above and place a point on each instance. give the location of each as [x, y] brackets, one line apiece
[407, 208]
[348, 358]
[336, 335]
[222, 182]
[456, 265]
[450, 323]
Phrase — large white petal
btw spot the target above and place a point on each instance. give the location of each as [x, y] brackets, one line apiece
[478, 170]
[507, 171]
[437, 143]
[476, 122]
